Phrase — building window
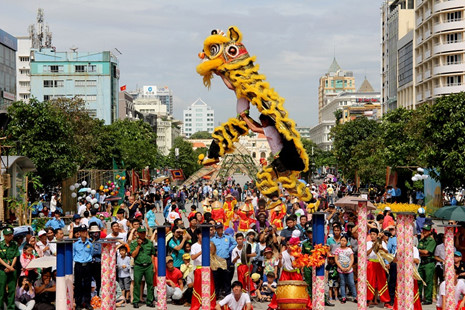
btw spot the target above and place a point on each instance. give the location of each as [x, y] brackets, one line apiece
[84, 83]
[24, 83]
[454, 38]
[455, 80]
[92, 68]
[24, 71]
[24, 58]
[46, 97]
[454, 16]
[454, 59]
[24, 96]
[52, 68]
[80, 68]
[54, 83]
[254, 155]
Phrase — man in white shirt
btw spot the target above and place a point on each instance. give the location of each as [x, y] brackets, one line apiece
[237, 300]
[43, 243]
[196, 249]
[459, 291]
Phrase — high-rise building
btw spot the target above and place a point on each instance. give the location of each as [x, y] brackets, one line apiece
[93, 77]
[332, 83]
[397, 19]
[8, 48]
[153, 93]
[439, 48]
[39, 37]
[363, 102]
[198, 117]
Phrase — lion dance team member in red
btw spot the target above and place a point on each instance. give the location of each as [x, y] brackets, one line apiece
[196, 255]
[288, 273]
[246, 215]
[228, 208]
[243, 271]
[218, 213]
[376, 275]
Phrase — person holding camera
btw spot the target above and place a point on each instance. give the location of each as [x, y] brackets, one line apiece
[25, 294]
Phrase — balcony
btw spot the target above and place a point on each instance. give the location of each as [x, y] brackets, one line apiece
[427, 94]
[419, 97]
[449, 25]
[419, 20]
[449, 89]
[427, 74]
[419, 39]
[449, 68]
[419, 78]
[449, 47]
[419, 58]
[444, 5]
[419, 3]
[427, 14]
[427, 34]
[427, 54]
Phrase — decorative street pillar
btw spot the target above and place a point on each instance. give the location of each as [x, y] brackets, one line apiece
[161, 282]
[108, 273]
[449, 272]
[405, 287]
[69, 277]
[206, 270]
[61, 300]
[362, 255]
[318, 288]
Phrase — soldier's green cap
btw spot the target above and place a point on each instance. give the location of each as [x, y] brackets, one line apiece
[7, 231]
[426, 227]
[141, 229]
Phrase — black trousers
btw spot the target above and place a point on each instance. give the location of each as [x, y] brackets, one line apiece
[96, 270]
[392, 281]
[82, 284]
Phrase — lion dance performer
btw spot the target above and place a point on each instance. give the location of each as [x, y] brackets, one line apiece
[228, 208]
[226, 56]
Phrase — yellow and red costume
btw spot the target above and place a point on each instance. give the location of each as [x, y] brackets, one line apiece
[278, 214]
[196, 303]
[228, 208]
[246, 217]
[218, 213]
[376, 280]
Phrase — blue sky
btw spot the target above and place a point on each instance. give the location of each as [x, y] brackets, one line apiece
[294, 41]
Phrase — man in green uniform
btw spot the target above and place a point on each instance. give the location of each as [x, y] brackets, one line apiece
[9, 253]
[143, 251]
[426, 247]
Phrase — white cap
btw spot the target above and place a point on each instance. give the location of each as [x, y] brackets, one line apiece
[387, 209]
[296, 233]
[421, 211]
[42, 232]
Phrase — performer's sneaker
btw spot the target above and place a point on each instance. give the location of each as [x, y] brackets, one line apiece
[388, 306]
[343, 300]
[152, 305]
[328, 304]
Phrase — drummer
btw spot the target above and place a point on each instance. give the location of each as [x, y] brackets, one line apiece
[240, 258]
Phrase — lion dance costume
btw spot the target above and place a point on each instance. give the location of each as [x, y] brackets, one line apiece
[226, 56]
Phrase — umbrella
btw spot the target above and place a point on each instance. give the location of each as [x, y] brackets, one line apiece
[351, 202]
[43, 262]
[85, 189]
[455, 213]
[113, 198]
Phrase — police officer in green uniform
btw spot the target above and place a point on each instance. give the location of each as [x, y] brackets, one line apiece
[143, 251]
[426, 247]
[9, 253]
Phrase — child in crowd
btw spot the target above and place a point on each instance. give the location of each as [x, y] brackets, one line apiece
[123, 263]
[344, 262]
[270, 263]
[25, 259]
[268, 288]
[187, 267]
[332, 276]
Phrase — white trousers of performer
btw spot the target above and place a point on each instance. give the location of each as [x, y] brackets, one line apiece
[174, 293]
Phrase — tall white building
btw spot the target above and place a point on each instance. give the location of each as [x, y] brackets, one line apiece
[23, 69]
[439, 48]
[152, 93]
[198, 117]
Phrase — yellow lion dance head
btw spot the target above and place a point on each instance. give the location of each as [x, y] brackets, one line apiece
[220, 49]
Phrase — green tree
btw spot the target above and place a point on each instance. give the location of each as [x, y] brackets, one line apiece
[351, 150]
[187, 160]
[201, 135]
[443, 137]
[135, 144]
[42, 132]
[398, 130]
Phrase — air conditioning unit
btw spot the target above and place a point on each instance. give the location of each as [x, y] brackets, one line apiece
[6, 181]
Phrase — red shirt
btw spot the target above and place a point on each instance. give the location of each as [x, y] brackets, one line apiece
[175, 275]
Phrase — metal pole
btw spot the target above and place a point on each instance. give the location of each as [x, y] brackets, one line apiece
[319, 280]
[161, 282]
[206, 271]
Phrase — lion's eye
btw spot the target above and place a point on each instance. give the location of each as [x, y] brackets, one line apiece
[214, 49]
[232, 51]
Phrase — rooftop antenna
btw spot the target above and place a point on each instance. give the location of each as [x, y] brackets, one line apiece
[39, 33]
[74, 48]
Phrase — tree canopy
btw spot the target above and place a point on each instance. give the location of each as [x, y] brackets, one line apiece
[201, 135]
